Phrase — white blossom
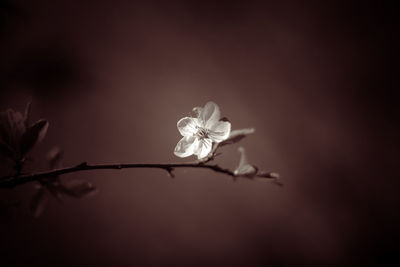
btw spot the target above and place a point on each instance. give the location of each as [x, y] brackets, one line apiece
[200, 132]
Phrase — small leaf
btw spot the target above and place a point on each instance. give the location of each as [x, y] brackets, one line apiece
[11, 128]
[245, 169]
[39, 202]
[54, 157]
[270, 175]
[237, 135]
[273, 175]
[55, 190]
[27, 114]
[16, 122]
[33, 135]
[78, 188]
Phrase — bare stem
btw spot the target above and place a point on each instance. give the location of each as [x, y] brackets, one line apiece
[13, 181]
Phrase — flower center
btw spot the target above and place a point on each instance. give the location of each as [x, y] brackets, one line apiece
[202, 133]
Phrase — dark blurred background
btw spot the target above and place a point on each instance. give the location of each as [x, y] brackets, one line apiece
[316, 80]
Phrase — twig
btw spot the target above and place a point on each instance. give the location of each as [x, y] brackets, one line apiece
[12, 181]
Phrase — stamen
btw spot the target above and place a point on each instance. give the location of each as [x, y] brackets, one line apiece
[202, 133]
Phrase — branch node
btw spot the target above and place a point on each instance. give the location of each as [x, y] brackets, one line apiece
[170, 172]
[83, 165]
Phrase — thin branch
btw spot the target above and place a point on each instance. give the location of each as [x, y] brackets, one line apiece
[12, 181]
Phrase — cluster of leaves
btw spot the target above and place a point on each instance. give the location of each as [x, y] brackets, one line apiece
[17, 138]
[56, 187]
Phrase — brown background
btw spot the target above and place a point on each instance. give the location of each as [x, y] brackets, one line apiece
[315, 80]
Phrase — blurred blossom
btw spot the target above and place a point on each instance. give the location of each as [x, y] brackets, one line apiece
[17, 135]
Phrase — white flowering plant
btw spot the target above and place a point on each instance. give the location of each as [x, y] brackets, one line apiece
[202, 135]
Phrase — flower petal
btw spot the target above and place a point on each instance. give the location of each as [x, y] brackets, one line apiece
[220, 131]
[186, 146]
[203, 148]
[187, 126]
[210, 114]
